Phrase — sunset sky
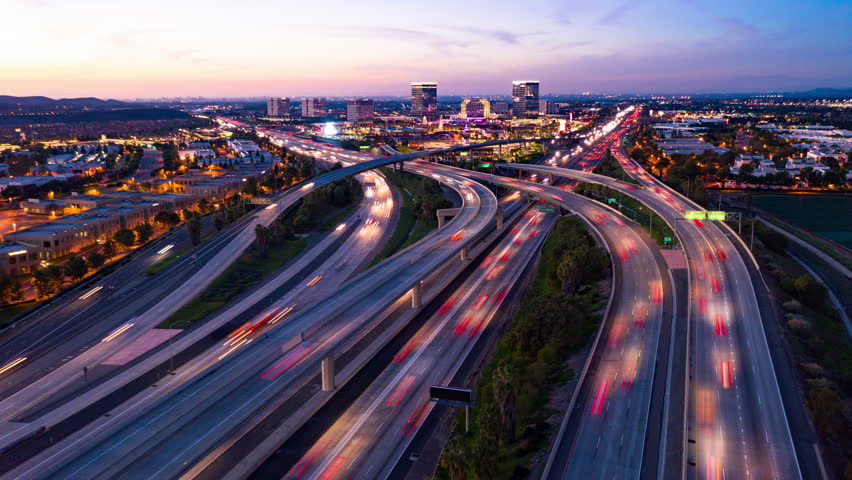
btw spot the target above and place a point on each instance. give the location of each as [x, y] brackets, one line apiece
[124, 49]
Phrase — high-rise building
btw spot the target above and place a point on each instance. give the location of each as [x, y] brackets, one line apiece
[424, 98]
[547, 107]
[278, 107]
[314, 107]
[359, 108]
[524, 97]
[475, 108]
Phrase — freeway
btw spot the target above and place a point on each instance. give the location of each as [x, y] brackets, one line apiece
[195, 417]
[369, 438]
[230, 248]
[375, 208]
[611, 414]
[737, 423]
[85, 317]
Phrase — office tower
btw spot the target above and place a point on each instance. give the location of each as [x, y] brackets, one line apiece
[278, 107]
[358, 109]
[524, 98]
[314, 107]
[547, 108]
[475, 108]
[424, 98]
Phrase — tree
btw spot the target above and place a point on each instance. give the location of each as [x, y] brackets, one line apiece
[505, 393]
[203, 205]
[453, 457]
[109, 249]
[125, 237]
[76, 267]
[96, 260]
[567, 273]
[10, 289]
[262, 236]
[193, 228]
[45, 282]
[167, 218]
[220, 220]
[144, 232]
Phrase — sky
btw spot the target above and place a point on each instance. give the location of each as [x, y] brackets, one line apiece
[154, 48]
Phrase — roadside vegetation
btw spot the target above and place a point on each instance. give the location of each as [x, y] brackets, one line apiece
[818, 343]
[611, 167]
[560, 311]
[274, 246]
[421, 198]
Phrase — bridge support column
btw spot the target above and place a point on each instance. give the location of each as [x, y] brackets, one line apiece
[500, 211]
[444, 213]
[400, 167]
[465, 253]
[328, 373]
[417, 295]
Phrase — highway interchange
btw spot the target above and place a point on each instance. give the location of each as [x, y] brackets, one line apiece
[261, 381]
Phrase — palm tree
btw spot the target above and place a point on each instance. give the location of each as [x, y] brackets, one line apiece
[262, 235]
[505, 393]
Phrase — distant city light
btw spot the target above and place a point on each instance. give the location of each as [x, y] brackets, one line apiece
[329, 130]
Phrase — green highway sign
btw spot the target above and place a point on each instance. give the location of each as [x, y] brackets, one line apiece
[667, 239]
[715, 215]
[546, 209]
[484, 165]
[611, 200]
[695, 215]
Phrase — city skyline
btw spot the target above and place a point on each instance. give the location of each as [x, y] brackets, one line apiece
[356, 50]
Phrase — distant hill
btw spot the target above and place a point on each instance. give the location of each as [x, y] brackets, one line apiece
[9, 103]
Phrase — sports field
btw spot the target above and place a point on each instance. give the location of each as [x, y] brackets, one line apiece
[828, 216]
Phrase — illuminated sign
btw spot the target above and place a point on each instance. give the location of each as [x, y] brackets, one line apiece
[17, 252]
[715, 215]
[484, 165]
[695, 215]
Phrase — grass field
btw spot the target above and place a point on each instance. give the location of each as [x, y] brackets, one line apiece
[823, 215]
[243, 274]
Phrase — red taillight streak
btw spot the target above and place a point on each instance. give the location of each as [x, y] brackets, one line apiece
[403, 386]
[713, 472]
[419, 412]
[486, 261]
[624, 256]
[476, 330]
[505, 256]
[333, 468]
[462, 325]
[480, 301]
[727, 379]
[288, 357]
[497, 299]
[702, 305]
[615, 336]
[446, 307]
[298, 353]
[317, 451]
[517, 242]
[532, 234]
[239, 329]
[401, 355]
[600, 397]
